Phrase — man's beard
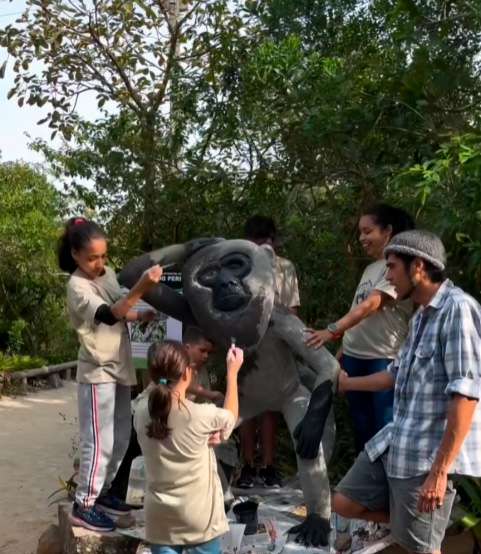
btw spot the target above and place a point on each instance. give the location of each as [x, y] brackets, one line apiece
[409, 293]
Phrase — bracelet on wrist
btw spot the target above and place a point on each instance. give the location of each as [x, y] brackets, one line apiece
[334, 330]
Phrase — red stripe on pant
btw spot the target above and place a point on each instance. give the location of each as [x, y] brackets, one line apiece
[96, 444]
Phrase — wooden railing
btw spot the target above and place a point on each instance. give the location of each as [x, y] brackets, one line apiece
[53, 374]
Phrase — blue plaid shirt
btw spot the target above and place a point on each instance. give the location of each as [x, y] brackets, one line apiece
[441, 356]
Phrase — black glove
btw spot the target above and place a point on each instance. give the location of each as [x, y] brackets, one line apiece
[313, 531]
[308, 433]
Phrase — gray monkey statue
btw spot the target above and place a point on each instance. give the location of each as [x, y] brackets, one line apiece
[228, 291]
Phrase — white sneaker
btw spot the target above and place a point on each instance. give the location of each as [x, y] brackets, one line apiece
[343, 541]
[368, 534]
[360, 537]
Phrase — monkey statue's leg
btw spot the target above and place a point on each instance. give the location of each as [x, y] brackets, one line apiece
[248, 410]
[313, 477]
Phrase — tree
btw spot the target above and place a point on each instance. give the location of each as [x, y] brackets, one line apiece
[306, 110]
[453, 173]
[357, 91]
[32, 318]
[154, 60]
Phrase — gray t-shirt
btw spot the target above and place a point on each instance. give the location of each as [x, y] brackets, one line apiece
[104, 354]
[381, 334]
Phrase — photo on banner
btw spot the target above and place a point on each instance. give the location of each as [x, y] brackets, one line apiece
[143, 334]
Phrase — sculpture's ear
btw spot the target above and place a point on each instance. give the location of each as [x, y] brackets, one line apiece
[193, 246]
[270, 252]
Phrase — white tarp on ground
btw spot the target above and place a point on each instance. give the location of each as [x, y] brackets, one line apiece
[283, 508]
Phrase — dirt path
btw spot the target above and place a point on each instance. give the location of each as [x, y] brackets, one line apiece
[36, 433]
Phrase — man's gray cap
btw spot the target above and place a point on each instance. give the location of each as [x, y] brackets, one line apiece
[420, 244]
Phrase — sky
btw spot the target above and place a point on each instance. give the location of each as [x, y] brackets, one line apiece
[16, 123]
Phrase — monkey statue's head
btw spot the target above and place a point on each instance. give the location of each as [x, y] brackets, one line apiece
[230, 288]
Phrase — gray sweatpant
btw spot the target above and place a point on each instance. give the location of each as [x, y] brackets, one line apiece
[105, 422]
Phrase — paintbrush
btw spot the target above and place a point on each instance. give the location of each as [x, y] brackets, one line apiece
[168, 265]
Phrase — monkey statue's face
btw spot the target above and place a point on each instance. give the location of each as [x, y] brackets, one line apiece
[230, 288]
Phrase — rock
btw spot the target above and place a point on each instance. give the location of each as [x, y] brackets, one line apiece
[77, 540]
[49, 542]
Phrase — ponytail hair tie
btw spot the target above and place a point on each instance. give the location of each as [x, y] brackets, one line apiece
[79, 221]
[163, 381]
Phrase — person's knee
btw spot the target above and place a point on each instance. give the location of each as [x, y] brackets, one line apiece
[346, 507]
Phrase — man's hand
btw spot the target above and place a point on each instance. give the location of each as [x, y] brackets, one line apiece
[433, 491]
[318, 338]
[215, 438]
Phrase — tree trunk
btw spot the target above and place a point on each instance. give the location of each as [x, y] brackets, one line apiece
[149, 186]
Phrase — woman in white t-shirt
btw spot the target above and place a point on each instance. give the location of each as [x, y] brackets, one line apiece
[184, 504]
[377, 324]
[98, 311]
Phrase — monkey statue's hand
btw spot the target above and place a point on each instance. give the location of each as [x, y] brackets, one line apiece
[313, 531]
[309, 431]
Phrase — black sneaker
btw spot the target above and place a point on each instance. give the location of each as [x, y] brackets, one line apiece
[112, 505]
[247, 477]
[91, 518]
[270, 477]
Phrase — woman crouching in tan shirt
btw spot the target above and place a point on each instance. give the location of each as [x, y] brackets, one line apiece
[184, 506]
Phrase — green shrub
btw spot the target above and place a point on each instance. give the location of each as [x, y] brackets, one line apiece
[16, 362]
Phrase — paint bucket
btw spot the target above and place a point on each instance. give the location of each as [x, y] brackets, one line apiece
[246, 512]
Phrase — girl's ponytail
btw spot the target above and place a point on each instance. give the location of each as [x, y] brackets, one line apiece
[160, 403]
[167, 363]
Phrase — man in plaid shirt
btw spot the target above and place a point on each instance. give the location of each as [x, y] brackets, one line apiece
[403, 475]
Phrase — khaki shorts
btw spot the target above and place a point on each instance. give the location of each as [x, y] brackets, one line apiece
[367, 484]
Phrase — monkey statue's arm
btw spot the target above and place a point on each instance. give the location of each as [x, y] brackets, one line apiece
[162, 297]
[291, 330]
[310, 430]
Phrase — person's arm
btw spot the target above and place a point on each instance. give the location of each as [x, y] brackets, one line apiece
[149, 278]
[194, 389]
[121, 309]
[235, 358]
[460, 336]
[460, 416]
[364, 309]
[384, 380]
[211, 395]
[144, 316]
